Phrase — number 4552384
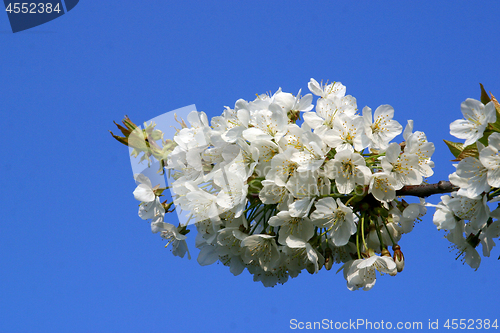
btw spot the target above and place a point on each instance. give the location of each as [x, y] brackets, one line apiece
[32, 8]
[470, 324]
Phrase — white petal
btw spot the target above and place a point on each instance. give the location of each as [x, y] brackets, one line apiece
[295, 242]
[144, 193]
[207, 255]
[312, 119]
[139, 177]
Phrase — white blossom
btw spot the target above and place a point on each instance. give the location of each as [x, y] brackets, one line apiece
[473, 209]
[347, 133]
[348, 169]
[417, 144]
[471, 176]
[335, 89]
[403, 167]
[313, 154]
[361, 273]
[300, 227]
[476, 118]
[306, 250]
[144, 191]
[383, 186]
[261, 249]
[337, 218]
[412, 212]
[173, 236]
[487, 235]
[383, 128]
[491, 160]
[267, 124]
[464, 246]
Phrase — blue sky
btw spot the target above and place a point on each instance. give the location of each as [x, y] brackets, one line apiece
[74, 255]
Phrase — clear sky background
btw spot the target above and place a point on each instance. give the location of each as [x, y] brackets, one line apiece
[74, 255]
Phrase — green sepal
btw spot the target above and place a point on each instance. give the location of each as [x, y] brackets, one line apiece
[331, 154]
[454, 147]
[130, 126]
[255, 185]
[492, 127]
[120, 139]
[183, 229]
[125, 131]
[159, 191]
[469, 151]
[485, 99]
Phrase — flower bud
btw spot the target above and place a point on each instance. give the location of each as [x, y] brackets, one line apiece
[254, 185]
[398, 257]
[311, 269]
[328, 259]
[386, 253]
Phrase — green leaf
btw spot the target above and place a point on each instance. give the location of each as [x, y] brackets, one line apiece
[469, 151]
[485, 99]
[454, 147]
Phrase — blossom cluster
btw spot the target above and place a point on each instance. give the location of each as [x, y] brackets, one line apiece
[280, 184]
[466, 214]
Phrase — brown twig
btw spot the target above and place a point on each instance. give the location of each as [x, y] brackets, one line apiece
[427, 189]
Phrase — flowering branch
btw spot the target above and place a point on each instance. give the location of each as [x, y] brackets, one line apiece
[275, 196]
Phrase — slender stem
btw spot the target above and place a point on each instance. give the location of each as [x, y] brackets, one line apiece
[390, 235]
[326, 230]
[357, 241]
[260, 220]
[491, 195]
[382, 245]
[335, 195]
[251, 206]
[256, 212]
[363, 231]
[348, 201]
